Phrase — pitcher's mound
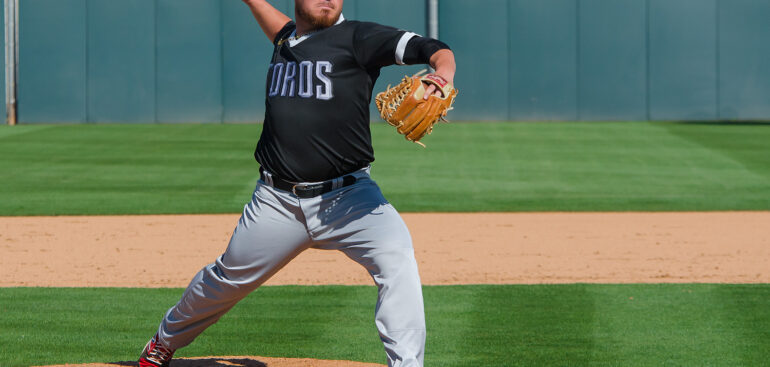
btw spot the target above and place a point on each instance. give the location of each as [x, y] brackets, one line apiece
[240, 361]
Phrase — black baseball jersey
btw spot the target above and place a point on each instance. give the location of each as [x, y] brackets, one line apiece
[317, 97]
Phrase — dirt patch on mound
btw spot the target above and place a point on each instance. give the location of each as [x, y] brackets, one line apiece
[492, 248]
[240, 361]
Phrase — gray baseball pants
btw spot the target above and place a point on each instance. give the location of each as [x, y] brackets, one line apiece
[276, 226]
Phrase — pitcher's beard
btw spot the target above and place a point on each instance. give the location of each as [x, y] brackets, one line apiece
[316, 23]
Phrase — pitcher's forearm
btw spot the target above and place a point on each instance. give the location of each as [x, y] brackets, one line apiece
[443, 61]
[270, 19]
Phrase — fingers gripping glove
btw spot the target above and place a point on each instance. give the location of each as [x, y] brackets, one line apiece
[403, 106]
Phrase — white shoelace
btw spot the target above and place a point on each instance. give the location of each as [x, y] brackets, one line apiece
[159, 353]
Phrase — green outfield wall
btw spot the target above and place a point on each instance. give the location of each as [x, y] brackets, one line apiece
[173, 61]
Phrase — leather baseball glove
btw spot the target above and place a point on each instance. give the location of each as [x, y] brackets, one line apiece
[403, 106]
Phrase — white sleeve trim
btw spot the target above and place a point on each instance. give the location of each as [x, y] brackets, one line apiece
[401, 47]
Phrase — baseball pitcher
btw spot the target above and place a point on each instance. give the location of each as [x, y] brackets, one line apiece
[314, 188]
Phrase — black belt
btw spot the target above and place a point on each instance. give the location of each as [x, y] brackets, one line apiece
[307, 191]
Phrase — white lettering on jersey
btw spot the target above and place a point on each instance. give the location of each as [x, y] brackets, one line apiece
[275, 81]
[288, 79]
[306, 79]
[321, 92]
[283, 80]
[270, 77]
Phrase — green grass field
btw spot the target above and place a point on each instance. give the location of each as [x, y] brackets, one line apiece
[554, 325]
[143, 169]
[147, 169]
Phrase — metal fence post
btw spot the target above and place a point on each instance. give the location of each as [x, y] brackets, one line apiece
[433, 18]
[11, 57]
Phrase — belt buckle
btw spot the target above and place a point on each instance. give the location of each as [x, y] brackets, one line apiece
[294, 189]
[304, 187]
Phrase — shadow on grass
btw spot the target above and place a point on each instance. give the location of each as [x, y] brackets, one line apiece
[205, 362]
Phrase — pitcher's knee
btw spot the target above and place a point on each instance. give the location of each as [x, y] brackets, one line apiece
[211, 282]
[394, 264]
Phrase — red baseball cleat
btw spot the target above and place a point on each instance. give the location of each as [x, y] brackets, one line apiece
[155, 354]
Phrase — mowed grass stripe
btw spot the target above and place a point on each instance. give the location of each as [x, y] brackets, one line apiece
[57, 325]
[750, 326]
[513, 325]
[525, 331]
[8, 131]
[297, 321]
[680, 324]
[732, 142]
[121, 169]
[575, 166]
[146, 169]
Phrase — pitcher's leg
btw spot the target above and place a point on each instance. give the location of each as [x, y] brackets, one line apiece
[399, 315]
[267, 237]
[362, 224]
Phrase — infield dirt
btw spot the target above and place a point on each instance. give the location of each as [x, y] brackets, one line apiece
[479, 248]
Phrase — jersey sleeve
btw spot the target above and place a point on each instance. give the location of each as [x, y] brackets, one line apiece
[420, 49]
[285, 32]
[376, 45]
